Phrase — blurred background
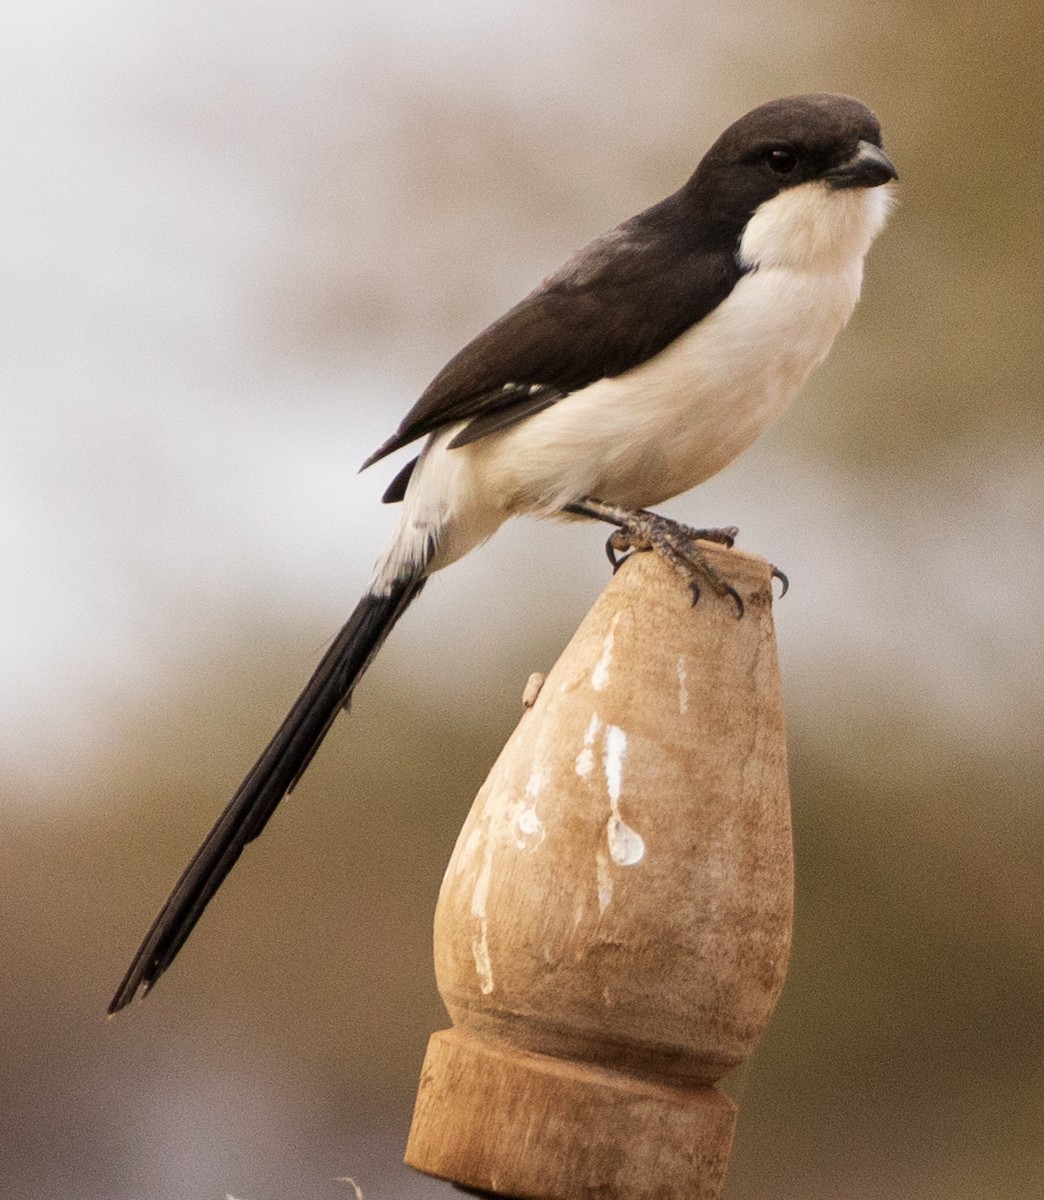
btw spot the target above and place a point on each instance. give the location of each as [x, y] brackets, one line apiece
[237, 240]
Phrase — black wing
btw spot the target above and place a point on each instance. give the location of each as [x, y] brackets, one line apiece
[614, 305]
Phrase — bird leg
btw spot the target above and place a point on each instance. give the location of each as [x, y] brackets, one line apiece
[641, 530]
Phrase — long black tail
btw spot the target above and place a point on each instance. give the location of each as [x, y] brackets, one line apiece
[273, 775]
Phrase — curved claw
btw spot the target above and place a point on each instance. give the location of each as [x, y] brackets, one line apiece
[778, 574]
[610, 552]
[725, 536]
[731, 591]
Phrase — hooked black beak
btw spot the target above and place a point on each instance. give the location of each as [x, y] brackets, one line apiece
[868, 167]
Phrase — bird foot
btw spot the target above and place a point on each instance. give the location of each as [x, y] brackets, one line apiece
[678, 544]
[639, 530]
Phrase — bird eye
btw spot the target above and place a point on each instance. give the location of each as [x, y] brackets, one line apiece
[781, 160]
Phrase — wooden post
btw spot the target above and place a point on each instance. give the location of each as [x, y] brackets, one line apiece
[613, 929]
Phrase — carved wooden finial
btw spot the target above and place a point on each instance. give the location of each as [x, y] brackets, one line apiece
[613, 929]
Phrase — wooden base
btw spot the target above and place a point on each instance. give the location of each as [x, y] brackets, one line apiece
[497, 1120]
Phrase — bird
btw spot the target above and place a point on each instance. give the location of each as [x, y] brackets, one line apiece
[648, 362]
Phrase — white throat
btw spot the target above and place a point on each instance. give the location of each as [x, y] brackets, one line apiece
[814, 227]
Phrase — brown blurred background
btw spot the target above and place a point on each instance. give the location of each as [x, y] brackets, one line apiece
[238, 239]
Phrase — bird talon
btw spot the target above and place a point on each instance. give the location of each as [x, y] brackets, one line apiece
[784, 581]
[725, 536]
[642, 530]
[617, 541]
